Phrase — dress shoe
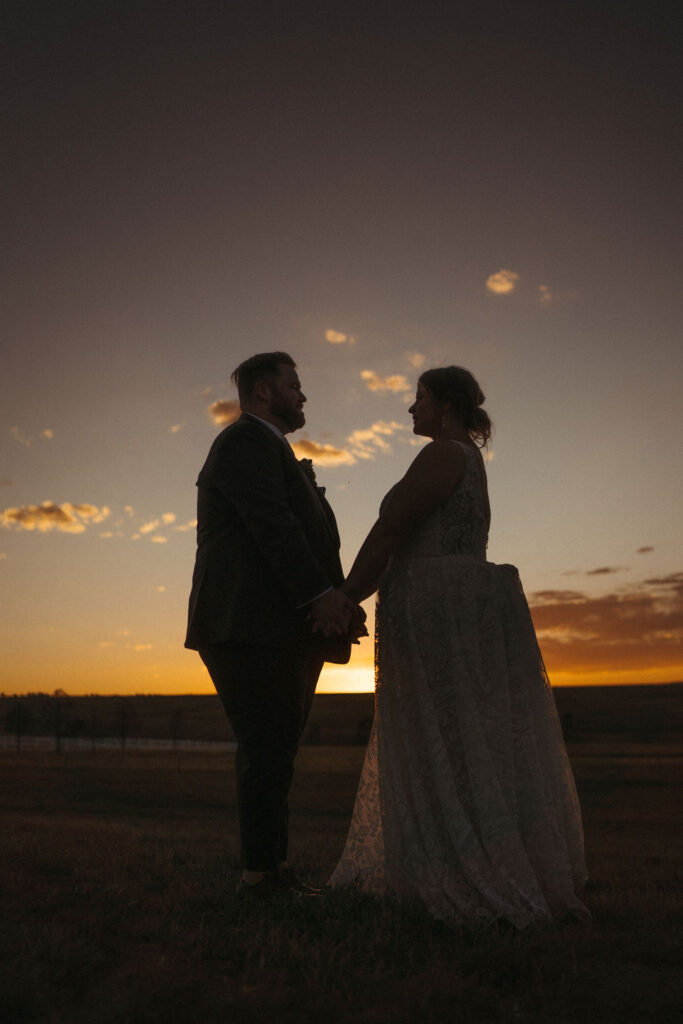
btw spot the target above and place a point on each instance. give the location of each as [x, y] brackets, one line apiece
[264, 891]
[296, 884]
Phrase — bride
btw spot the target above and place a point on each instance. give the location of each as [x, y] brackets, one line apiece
[466, 799]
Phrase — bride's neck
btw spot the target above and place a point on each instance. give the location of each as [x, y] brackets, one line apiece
[452, 430]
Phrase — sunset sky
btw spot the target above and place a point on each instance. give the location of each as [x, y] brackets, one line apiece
[378, 190]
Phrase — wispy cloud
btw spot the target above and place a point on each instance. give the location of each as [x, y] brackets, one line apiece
[375, 382]
[544, 295]
[645, 550]
[363, 444]
[503, 282]
[638, 627]
[176, 428]
[367, 442]
[322, 454]
[19, 436]
[184, 527]
[149, 527]
[416, 359]
[26, 439]
[605, 570]
[337, 338]
[224, 411]
[557, 596]
[66, 518]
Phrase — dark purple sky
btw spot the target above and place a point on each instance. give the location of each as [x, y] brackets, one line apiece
[185, 184]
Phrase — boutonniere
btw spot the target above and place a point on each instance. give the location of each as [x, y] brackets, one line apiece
[307, 467]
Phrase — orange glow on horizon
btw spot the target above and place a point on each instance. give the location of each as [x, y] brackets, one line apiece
[186, 675]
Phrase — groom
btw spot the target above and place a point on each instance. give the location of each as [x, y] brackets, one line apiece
[266, 573]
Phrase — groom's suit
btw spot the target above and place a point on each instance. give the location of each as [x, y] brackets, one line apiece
[267, 545]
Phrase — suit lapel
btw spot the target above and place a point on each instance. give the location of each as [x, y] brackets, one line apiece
[321, 504]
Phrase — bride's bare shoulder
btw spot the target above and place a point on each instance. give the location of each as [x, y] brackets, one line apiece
[440, 453]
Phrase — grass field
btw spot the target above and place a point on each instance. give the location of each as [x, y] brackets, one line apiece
[118, 871]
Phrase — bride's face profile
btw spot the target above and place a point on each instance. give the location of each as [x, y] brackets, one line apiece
[426, 415]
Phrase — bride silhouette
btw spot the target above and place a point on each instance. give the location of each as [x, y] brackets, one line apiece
[466, 799]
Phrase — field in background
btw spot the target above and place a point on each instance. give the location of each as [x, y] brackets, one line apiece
[119, 868]
[638, 712]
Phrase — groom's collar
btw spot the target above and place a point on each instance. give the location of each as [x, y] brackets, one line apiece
[271, 426]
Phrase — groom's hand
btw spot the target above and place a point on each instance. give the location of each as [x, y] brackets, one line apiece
[331, 613]
[357, 627]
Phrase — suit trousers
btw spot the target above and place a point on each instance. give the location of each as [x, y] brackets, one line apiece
[267, 694]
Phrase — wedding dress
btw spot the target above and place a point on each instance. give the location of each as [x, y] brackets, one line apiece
[466, 799]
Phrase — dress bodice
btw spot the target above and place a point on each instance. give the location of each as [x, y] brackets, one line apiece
[460, 525]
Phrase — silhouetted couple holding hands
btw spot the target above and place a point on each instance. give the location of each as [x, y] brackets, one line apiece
[466, 800]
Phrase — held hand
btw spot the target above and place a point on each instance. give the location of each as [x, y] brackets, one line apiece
[357, 626]
[331, 613]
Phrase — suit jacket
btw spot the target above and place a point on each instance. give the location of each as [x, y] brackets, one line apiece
[267, 542]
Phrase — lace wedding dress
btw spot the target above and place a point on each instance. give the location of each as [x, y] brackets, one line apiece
[466, 798]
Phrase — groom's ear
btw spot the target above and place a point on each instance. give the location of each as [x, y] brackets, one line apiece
[262, 391]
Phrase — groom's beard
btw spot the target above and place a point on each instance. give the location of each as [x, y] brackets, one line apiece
[289, 414]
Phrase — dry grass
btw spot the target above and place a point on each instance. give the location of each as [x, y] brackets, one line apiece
[118, 875]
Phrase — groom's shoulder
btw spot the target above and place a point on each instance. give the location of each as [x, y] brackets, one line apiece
[239, 442]
[244, 428]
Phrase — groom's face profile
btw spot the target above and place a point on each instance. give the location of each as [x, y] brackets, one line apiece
[287, 399]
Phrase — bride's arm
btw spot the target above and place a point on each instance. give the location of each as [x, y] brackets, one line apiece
[431, 477]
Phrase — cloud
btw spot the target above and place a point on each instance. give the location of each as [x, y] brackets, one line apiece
[554, 596]
[19, 436]
[637, 628]
[142, 647]
[158, 539]
[604, 570]
[544, 294]
[224, 411]
[416, 359]
[3, 554]
[184, 527]
[374, 382]
[337, 338]
[66, 518]
[151, 526]
[503, 282]
[161, 590]
[168, 517]
[645, 551]
[366, 443]
[129, 510]
[47, 434]
[322, 454]
[176, 427]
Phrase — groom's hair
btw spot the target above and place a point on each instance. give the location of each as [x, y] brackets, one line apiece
[262, 367]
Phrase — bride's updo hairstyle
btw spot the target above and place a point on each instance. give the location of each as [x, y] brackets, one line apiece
[457, 386]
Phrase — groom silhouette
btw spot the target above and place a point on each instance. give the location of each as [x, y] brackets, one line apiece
[266, 572]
